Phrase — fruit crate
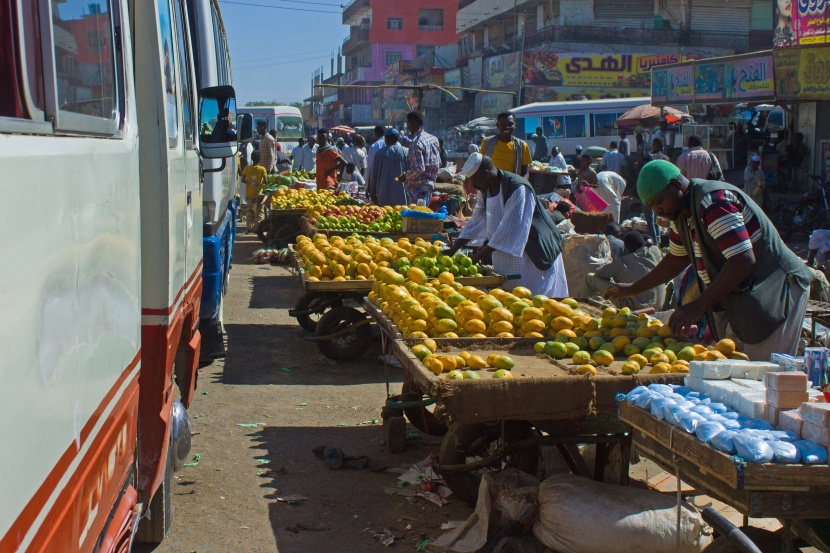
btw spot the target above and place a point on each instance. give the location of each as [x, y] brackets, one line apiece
[417, 221]
[310, 230]
[541, 388]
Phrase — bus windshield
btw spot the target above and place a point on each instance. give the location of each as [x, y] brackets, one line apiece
[289, 126]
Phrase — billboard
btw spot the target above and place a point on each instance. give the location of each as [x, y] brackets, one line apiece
[491, 104]
[742, 78]
[502, 71]
[800, 23]
[802, 73]
[534, 94]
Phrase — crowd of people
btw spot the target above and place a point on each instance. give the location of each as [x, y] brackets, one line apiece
[732, 274]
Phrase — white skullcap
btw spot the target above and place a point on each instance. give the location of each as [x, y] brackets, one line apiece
[755, 158]
[472, 165]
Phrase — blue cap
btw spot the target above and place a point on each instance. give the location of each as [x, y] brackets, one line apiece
[392, 132]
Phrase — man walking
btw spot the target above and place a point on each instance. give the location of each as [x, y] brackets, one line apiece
[697, 163]
[267, 147]
[390, 162]
[424, 160]
[540, 151]
[508, 153]
[657, 150]
[754, 177]
[375, 147]
[625, 145]
[307, 156]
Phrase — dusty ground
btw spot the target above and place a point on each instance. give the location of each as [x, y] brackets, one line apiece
[228, 502]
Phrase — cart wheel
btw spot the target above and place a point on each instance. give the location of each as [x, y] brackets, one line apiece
[428, 422]
[286, 235]
[346, 347]
[766, 541]
[465, 443]
[311, 301]
[264, 231]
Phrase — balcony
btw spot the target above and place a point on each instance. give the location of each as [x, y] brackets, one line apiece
[356, 75]
[355, 11]
[358, 38]
[738, 43]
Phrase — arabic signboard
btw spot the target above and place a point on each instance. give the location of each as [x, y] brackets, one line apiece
[800, 23]
[802, 73]
[453, 78]
[542, 68]
[501, 71]
[491, 104]
[713, 81]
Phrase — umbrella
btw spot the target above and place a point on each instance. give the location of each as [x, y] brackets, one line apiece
[481, 124]
[648, 116]
[343, 129]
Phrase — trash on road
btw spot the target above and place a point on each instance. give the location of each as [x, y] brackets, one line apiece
[336, 458]
[250, 424]
[292, 499]
[195, 460]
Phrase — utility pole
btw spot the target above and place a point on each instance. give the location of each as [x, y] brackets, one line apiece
[521, 64]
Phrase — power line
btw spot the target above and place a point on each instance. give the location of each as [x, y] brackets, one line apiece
[278, 7]
[284, 55]
[280, 63]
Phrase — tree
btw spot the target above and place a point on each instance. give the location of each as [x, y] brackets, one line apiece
[273, 103]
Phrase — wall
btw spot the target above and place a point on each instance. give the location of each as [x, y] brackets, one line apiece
[576, 12]
[408, 11]
[378, 70]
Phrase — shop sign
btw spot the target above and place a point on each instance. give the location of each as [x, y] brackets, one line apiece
[681, 88]
[753, 77]
[802, 73]
[800, 22]
[491, 104]
[572, 94]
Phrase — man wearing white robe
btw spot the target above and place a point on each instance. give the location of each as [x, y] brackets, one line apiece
[504, 227]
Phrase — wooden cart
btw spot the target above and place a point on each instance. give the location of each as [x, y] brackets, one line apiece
[489, 422]
[330, 311]
[794, 494]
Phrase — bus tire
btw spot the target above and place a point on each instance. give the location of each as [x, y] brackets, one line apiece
[155, 525]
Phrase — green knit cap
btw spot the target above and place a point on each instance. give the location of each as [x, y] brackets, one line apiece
[655, 177]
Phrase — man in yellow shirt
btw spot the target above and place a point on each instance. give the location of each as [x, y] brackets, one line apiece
[508, 153]
[254, 177]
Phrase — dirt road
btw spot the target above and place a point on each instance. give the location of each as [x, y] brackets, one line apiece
[301, 400]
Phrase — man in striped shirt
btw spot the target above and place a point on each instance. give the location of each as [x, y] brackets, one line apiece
[424, 160]
[754, 289]
[697, 162]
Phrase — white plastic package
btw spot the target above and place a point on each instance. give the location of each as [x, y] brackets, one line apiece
[785, 452]
[811, 452]
[723, 441]
[706, 431]
[753, 449]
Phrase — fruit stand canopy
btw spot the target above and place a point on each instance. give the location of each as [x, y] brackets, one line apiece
[342, 129]
[648, 116]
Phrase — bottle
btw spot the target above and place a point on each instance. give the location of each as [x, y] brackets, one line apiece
[422, 202]
[443, 210]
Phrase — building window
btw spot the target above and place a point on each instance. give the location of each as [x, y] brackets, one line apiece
[431, 20]
[392, 57]
[394, 23]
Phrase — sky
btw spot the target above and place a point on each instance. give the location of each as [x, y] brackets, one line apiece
[277, 44]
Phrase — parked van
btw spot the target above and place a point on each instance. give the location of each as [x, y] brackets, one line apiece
[287, 120]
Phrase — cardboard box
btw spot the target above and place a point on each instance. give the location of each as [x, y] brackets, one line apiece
[786, 400]
[818, 434]
[816, 413]
[786, 381]
[790, 420]
[788, 362]
[772, 415]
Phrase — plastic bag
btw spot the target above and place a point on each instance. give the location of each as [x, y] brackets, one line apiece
[785, 435]
[811, 452]
[702, 409]
[589, 200]
[723, 441]
[753, 449]
[632, 396]
[706, 431]
[718, 408]
[644, 400]
[732, 415]
[658, 404]
[660, 388]
[785, 452]
[731, 424]
[673, 412]
[759, 424]
[689, 422]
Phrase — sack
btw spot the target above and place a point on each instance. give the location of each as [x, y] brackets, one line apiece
[572, 508]
[583, 254]
[589, 200]
[714, 169]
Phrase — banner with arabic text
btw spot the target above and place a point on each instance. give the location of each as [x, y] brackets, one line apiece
[747, 77]
[501, 71]
[800, 23]
[534, 94]
[802, 73]
[491, 104]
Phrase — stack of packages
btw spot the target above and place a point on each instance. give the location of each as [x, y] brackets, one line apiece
[762, 392]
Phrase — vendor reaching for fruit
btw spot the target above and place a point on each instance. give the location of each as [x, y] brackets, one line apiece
[329, 161]
[510, 222]
[754, 288]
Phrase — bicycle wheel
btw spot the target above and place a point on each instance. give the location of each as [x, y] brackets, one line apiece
[805, 216]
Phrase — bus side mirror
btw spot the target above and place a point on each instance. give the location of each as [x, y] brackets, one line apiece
[217, 122]
[245, 124]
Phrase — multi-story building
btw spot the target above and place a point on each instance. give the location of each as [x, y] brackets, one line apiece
[383, 33]
[548, 50]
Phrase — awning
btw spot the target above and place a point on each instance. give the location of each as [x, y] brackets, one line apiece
[648, 116]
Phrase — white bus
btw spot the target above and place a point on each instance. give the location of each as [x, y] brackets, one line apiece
[287, 120]
[570, 124]
[212, 64]
[99, 297]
